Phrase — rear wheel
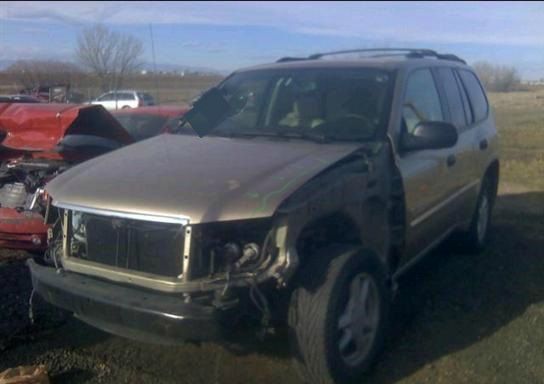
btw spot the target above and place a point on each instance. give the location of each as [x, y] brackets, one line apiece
[338, 316]
[475, 239]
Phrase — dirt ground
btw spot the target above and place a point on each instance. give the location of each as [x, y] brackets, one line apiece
[458, 318]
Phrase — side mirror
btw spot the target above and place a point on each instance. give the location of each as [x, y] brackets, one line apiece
[430, 135]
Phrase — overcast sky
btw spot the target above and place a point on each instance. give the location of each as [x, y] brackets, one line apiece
[225, 36]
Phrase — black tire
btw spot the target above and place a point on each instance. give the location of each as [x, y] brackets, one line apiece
[316, 304]
[473, 241]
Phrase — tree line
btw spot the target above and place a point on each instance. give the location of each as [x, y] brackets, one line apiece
[110, 56]
[107, 55]
[498, 78]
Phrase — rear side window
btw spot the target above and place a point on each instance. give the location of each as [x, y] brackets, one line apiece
[476, 95]
[453, 96]
[421, 101]
[125, 96]
[464, 97]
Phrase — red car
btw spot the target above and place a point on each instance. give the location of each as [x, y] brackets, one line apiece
[39, 141]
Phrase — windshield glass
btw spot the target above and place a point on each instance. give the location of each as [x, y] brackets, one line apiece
[337, 104]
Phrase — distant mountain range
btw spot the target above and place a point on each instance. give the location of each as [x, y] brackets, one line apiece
[182, 68]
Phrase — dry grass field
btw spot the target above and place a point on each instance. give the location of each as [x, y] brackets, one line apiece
[458, 318]
[166, 89]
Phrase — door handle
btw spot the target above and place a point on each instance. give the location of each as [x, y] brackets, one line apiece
[483, 144]
[451, 160]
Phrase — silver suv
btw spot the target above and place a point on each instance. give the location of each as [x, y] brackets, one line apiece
[319, 181]
[114, 100]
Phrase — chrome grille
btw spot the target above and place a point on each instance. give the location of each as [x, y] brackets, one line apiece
[136, 245]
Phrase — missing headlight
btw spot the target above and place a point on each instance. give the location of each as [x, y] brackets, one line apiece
[229, 247]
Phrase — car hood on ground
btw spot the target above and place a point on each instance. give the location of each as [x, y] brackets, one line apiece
[207, 179]
[39, 127]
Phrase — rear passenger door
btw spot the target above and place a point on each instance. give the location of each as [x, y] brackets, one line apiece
[458, 111]
[427, 174]
[481, 128]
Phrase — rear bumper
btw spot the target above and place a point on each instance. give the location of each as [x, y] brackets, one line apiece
[125, 311]
[22, 230]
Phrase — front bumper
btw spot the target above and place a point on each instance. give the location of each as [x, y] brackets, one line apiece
[126, 311]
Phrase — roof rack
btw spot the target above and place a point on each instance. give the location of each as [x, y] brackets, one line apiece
[383, 52]
[285, 59]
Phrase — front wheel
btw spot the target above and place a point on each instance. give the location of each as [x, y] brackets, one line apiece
[338, 315]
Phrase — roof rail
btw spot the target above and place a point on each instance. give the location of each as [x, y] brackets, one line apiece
[286, 59]
[384, 52]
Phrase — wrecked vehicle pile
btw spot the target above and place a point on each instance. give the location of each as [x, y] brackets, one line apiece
[40, 141]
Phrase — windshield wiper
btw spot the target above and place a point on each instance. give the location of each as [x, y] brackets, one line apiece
[321, 137]
[235, 133]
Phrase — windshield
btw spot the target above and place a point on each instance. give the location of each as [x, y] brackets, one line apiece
[337, 104]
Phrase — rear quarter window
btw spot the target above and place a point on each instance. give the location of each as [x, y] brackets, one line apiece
[476, 95]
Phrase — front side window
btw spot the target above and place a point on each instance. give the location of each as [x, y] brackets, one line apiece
[421, 100]
[341, 104]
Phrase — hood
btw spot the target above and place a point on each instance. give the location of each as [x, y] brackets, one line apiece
[39, 127]
[208, 179]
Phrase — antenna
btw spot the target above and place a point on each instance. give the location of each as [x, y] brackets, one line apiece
[154, 62]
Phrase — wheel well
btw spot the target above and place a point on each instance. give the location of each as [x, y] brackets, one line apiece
[335, 228]
[492, 174]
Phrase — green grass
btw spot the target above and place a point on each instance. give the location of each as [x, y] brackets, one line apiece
[520, 122]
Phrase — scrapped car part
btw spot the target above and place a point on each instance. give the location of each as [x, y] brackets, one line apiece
[145, 122]
[41, 141]
[315, 183]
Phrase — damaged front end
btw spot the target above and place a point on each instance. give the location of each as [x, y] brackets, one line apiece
[213, 274]
[40, 142]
